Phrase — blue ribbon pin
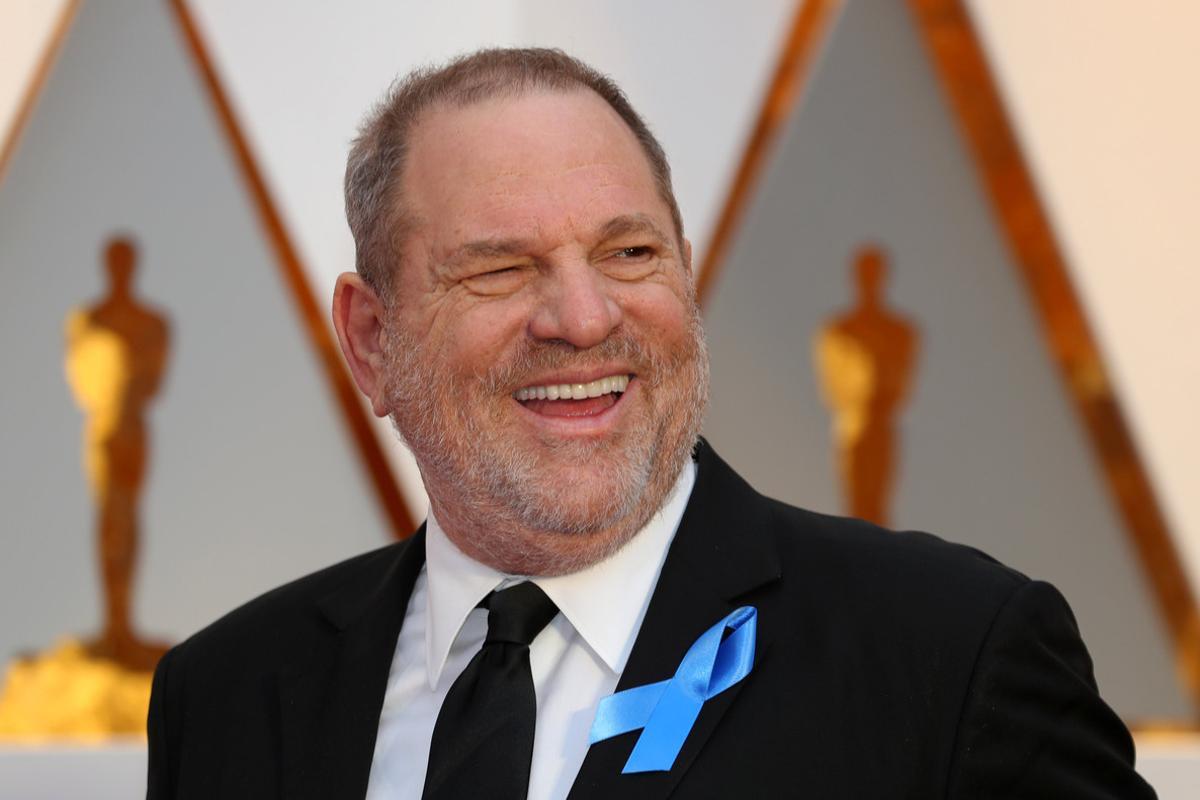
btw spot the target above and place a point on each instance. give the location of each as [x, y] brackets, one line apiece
[667, 710]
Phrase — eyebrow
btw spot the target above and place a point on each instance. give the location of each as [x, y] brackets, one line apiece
[633, 223]
[499, 248]
[488, 248]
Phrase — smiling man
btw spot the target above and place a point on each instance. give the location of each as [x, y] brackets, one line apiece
[542, 356]
[597, 605]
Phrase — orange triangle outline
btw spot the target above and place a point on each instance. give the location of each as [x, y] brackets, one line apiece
[295, 277]
[961, 65]
[810, 30]
[33, 89]
[961, 68]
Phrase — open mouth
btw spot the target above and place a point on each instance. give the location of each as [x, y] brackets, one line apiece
[574, 399]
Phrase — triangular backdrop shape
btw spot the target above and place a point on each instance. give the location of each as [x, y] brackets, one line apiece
[30, 35]
[252, 478]
[991, 451]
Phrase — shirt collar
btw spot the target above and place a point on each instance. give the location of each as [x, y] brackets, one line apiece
[605, 602]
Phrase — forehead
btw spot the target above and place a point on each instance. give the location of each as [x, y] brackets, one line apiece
[537, 161]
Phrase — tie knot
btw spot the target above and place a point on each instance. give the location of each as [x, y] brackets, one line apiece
[518, 614]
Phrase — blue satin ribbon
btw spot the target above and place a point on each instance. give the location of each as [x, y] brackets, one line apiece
[667, 710]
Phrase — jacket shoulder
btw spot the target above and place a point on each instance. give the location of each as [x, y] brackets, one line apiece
[912, 590]
[273, 625]
[856, 548]
[853, 564]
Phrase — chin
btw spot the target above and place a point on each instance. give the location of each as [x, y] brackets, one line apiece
[582, 505]
[559, 553]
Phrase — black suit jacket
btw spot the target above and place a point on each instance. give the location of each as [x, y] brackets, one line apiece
[888, 665]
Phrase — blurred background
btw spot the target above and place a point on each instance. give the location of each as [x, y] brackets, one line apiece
[947, 256]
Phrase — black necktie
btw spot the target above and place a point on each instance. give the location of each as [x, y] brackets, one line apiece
[482, 742]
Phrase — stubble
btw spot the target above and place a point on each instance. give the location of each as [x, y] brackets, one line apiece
[507, 505]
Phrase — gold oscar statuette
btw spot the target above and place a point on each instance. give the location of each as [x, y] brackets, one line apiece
[116, 354]
[865, 359]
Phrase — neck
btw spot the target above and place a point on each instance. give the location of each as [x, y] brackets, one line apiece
[491, 534]
[513, 549]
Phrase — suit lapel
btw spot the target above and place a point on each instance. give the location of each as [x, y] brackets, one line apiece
[330, 700]
[721, 551]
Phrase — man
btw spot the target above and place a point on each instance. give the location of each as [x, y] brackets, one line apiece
[523, 310]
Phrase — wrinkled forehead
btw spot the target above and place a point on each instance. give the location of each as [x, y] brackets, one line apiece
[518, 149]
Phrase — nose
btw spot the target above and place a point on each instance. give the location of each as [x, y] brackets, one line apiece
[575, 307]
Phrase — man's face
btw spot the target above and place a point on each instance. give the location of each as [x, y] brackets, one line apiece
[541, 257]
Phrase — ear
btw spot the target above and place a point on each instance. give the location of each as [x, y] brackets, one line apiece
[687, 258]
[358, 316]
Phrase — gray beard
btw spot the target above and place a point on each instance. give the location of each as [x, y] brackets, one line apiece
[501, 493]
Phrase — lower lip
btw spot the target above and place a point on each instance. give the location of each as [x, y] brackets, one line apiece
[588, 407]
[591, 416]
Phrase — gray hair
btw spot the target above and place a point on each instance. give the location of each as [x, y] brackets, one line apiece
[377, 157]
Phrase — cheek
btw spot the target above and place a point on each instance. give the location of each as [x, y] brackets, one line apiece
[477, 338]
[661, 313]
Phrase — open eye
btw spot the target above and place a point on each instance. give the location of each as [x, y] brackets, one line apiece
[631, 263]
[630, 253]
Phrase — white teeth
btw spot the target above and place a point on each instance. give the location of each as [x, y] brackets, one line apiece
[574, 391]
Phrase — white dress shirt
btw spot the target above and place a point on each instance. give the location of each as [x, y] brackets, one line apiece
[575, 661]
